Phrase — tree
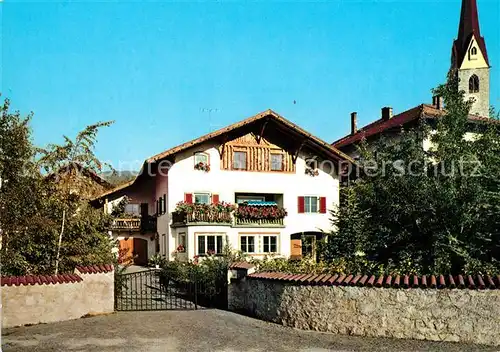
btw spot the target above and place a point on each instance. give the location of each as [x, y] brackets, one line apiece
[32, 205]
[427, 211]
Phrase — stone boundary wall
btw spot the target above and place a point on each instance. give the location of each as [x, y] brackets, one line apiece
[52, 298]
[445, 314]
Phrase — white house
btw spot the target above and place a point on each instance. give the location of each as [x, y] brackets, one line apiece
[263, 186]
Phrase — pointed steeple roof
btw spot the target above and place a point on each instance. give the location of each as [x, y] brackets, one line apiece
[469, 26]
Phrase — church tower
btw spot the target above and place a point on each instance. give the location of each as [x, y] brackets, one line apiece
[470, 58]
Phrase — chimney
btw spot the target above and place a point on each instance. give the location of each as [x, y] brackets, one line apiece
[354, 122]
[386, 113]
[438, 102]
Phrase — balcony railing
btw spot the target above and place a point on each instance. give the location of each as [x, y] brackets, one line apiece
[260, 222]
[134, 224]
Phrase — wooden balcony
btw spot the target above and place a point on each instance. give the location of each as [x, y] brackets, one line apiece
[134, 224]
[195, 217]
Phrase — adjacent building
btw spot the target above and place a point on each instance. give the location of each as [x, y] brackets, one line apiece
[469, 59]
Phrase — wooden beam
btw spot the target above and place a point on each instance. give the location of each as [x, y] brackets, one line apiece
[261, 134]
[296, 154]
[222, 147]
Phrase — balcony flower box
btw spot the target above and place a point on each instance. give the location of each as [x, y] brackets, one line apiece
[202, 166]
[312, 171]
[259, 215]
[209, 213]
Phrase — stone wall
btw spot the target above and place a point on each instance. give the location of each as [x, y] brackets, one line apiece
[46, 299]
[466, 315]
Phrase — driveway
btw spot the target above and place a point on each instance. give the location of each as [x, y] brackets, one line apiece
[192, 331]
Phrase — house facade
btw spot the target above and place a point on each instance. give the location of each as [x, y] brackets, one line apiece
[262, 186]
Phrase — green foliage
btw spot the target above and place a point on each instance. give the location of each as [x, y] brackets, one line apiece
[157, 259]
[32, 205]
[119, 208]
[425, 211]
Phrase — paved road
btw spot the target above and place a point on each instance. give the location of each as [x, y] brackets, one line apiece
[193, 331]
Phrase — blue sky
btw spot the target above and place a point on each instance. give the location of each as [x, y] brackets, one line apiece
[154, 67]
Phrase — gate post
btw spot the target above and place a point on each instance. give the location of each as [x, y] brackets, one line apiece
[196, 293]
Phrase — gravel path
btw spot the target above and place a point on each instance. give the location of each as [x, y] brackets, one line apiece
[192, 331]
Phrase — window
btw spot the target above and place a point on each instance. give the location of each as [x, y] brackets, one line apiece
[474, 84]
[270, 244]
[276, 162]
[132, 209]
[243, 199]
[181, 242]
[247, 244]
[209, 244]
[201, 198]
[473, 51]
[200, 157]
[239, 160]
[311, 204]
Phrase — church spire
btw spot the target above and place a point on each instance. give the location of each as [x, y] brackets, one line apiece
[470, 60]
[468, 29]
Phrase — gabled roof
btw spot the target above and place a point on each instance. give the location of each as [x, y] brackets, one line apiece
[116, 189]
[83, 170]
[468, 27]
[300, 137]
[423, 111]
[266, 115]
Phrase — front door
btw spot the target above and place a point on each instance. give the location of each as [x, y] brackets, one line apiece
[140, 251]
[309, 246]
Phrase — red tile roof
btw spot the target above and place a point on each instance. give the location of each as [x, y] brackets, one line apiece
[40, 279]
[480, 282]
[94, 269]
[419, 112]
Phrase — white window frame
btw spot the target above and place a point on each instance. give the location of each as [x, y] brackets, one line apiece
[255, 242]
[309, 211]
[271, 161]
[209, 197]
[206, 235]
[198, 154]
[269, 244]
[135, 206]
[234, 160]
[178, 241]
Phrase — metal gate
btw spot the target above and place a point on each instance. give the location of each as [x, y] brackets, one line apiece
[153, 290]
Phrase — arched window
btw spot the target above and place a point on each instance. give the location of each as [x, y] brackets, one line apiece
[473, 51]
[474, 84]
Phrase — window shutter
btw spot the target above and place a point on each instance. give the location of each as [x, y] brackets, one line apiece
[164, 203]
[322, 205]
[301, 205]
[215, 198]
[188, 198]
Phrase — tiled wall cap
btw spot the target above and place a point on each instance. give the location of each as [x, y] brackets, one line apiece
[95, 269]
[241, 265]
[40, 279]
[471, 282]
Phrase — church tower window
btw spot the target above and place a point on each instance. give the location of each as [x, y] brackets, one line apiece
[474, 84]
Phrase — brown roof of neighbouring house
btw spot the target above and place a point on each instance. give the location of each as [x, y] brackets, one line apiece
[423, 111]
[480, 282]
[84, 170]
